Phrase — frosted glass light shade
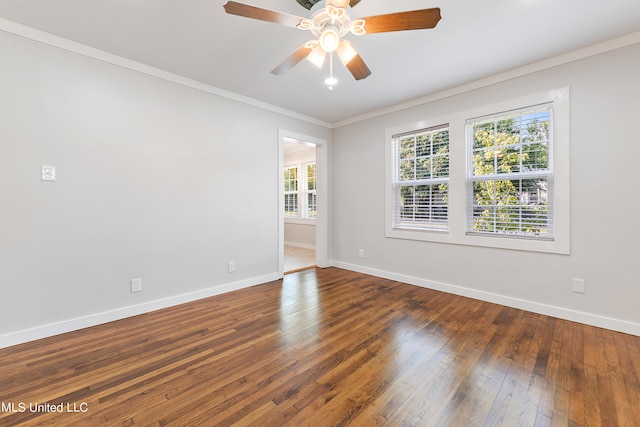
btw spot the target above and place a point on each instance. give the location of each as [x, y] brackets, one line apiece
[316, 57]
[346, 52]
[329, 40]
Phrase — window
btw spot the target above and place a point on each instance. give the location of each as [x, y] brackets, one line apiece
[495, 176]
[421, 179]
[291, 192]
[510, 176]
[310, 210]
[300, 198]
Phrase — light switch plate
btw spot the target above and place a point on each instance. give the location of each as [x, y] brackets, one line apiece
[48, 173]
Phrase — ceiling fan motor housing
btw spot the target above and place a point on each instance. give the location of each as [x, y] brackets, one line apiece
[328, 17]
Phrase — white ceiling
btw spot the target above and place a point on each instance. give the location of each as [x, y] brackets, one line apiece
[198, 40]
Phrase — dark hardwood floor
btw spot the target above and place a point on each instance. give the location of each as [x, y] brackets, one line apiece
[327, 347]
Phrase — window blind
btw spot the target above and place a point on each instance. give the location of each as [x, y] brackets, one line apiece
[510, 173]
[291, 192]
[311, 199]
[421, 179]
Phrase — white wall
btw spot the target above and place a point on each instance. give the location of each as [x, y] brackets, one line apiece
[604, 202]
[300, 234]
[155, 180]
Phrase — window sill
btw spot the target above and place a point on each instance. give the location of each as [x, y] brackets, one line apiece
[458, 208]
[301, 221]
[499, 242]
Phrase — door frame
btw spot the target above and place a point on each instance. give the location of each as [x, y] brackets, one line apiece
[322, 187]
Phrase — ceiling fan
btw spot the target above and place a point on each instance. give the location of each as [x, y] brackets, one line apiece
[330, 21]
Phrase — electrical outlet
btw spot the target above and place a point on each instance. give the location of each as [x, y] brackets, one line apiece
[579, 286]
[361, 253]
[136, 285]
[232, 266]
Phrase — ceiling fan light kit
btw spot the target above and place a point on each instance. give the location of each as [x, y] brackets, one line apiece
[330, 21]
[317, 55]
[346, 52]
[329, 40]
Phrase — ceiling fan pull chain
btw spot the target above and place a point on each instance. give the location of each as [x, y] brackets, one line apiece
[330, 81]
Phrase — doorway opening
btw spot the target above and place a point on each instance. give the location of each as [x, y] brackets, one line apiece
[300, 200]
[297, 258]
[302, 193]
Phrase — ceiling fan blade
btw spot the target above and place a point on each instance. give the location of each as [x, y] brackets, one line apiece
[241, 9]
[358, 68]
[401, 21]
[292, 60]
[351, 59]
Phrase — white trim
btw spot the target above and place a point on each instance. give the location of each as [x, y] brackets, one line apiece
[90, 52]
[392, 175]
[44, 331]
[458, 185]
[71, 46]
[531, 306]
[322, 192]
[302, 191]
[298, 162]
[300, 221]
[300, 245]
[555, 61]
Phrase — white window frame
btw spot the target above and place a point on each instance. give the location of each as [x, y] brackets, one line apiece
[302, 192]
[458, 166]
[518, 175]
[291, 192]
[398, 182]
[306, 192]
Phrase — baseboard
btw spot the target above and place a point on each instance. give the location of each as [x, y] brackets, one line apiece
[300, 245]
[44, 331]
[535, 307]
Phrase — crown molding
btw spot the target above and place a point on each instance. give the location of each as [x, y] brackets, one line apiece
[78, 48]
[555, 61]
[81, 49]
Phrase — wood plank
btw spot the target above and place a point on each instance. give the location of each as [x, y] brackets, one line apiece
[329, 347]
